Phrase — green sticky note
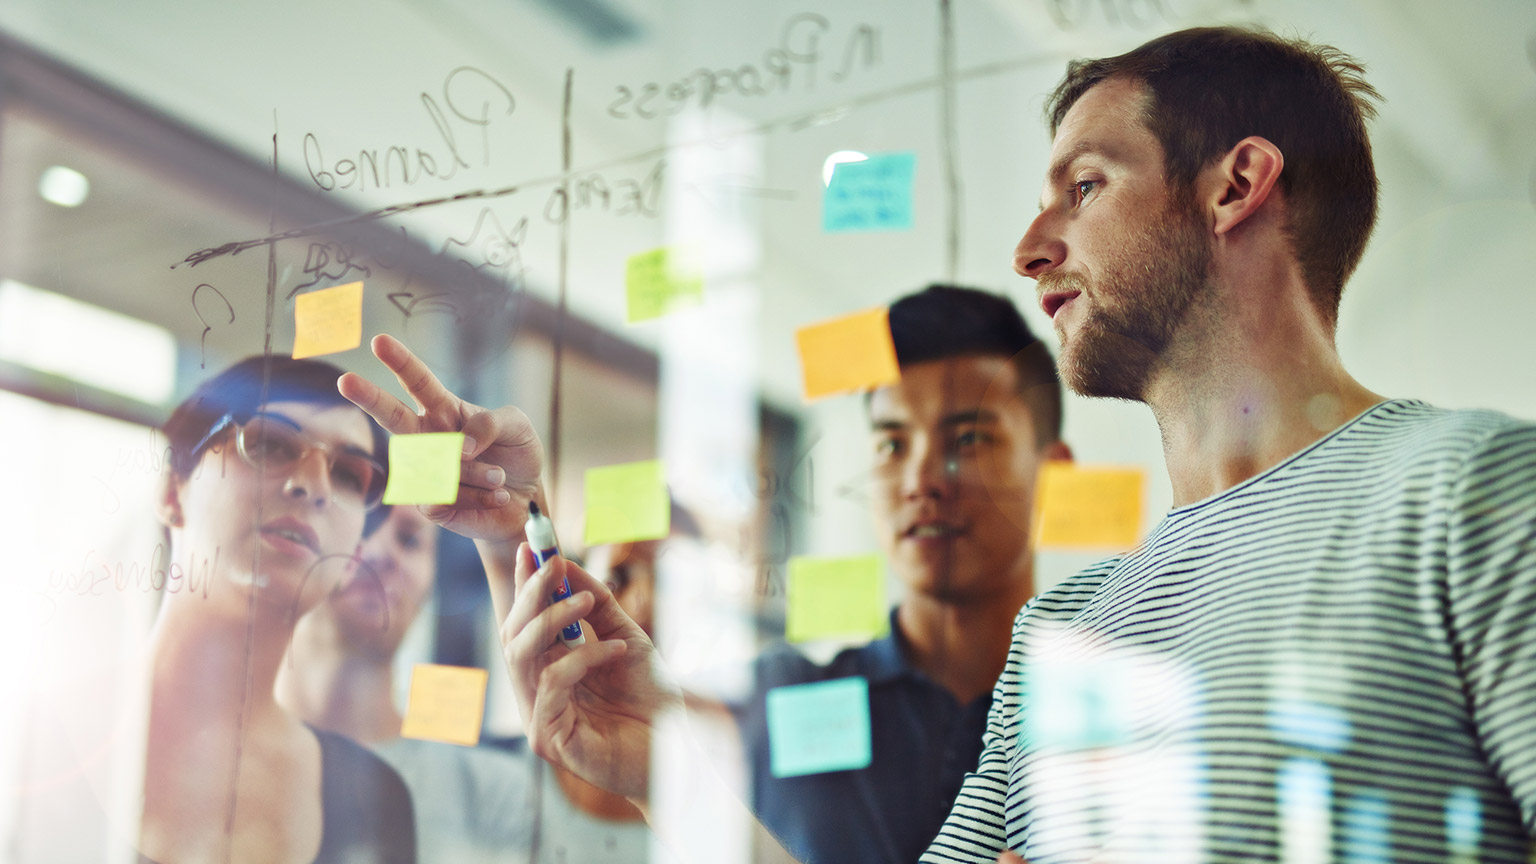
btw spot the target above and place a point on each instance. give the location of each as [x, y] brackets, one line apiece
[656, 282]
[627, 502]
[424, 468]
[872, 195]
[820, 727]
[835, 598]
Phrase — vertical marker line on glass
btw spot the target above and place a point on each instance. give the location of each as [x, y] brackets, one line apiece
[541, 537]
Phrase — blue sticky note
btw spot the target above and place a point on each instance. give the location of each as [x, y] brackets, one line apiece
[820, 727]
[872, 195]
[1079, 704]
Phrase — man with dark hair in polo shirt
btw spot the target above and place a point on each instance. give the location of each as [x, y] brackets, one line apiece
[955, 447]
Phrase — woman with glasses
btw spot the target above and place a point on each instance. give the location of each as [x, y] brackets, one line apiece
[274, 478]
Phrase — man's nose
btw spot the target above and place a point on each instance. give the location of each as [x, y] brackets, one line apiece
[1040, 250]
[926, 473]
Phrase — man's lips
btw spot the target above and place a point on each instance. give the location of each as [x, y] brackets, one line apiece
[932, 531]
[1052, 301]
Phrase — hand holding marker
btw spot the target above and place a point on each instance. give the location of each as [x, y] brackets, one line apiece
[541, 537]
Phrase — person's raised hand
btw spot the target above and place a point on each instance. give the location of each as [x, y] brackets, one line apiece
[502, 454]
[1010, 858]
[591, 709]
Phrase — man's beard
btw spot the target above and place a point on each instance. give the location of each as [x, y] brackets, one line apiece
[1156, 280]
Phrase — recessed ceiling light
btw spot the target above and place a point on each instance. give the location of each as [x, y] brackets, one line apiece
[65, 187]
[833, 160]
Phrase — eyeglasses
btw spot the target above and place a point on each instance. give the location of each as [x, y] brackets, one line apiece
[272, 443]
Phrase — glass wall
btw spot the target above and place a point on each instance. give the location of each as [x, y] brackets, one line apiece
[623, 218]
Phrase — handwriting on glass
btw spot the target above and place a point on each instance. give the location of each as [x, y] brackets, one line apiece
[796, 60]
[472, 95]
[96, 576]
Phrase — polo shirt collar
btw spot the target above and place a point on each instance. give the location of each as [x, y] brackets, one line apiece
[885, 659]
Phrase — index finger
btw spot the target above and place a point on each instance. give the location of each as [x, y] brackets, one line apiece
[390, 412]
[414, 376]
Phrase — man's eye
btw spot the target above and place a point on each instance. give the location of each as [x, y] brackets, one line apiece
[1083, 188]
[887, 447]
[971, 438]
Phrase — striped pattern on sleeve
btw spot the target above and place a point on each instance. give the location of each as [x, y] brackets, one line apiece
[1332, 661]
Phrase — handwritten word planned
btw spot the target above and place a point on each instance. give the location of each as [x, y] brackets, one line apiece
[472, 95]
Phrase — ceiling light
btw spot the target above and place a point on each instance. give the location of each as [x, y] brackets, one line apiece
[64, 336]
[833, 160]
[65, 187]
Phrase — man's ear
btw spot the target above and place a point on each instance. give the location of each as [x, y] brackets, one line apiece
[168, 507]
[1246, 176]
[1056, 451]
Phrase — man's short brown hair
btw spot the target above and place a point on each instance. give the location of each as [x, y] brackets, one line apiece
[1210, 87]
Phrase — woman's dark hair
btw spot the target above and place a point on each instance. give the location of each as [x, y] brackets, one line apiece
[241, 390]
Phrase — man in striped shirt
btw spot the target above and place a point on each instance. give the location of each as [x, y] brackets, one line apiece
[1319, 654]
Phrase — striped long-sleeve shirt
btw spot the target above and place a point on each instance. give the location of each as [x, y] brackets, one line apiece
[1333, 661]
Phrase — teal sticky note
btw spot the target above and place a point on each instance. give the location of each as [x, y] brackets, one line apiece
[819, 727]
[872, 195]
[424, 468]
[1079, 704]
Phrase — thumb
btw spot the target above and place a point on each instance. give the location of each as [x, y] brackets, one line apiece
[480, 432]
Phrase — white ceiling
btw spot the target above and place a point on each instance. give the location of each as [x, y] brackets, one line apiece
[1457, 126]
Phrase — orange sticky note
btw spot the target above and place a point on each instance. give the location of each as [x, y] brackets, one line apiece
[848, 354]
[328, 320]
[1088, 507]
[446, 703]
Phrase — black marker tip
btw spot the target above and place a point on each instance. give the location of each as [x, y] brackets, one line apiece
[533, 508]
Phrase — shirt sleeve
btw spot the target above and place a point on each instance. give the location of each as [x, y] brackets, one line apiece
[1491, 591]
[975, 832]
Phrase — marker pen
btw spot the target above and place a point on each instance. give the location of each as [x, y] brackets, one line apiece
[541, 536]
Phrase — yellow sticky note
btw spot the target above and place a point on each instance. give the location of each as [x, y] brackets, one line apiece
[328, 320]
[424, 468]
[1088, 507]
[658, 281]
[627, 502]
[848, 354]
[835, 598]
[446, 703]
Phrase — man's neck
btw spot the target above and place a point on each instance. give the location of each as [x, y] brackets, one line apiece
[332, 687]
[1235, 405]
[961, 646]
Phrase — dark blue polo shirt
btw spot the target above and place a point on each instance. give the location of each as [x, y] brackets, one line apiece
[923, 741]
